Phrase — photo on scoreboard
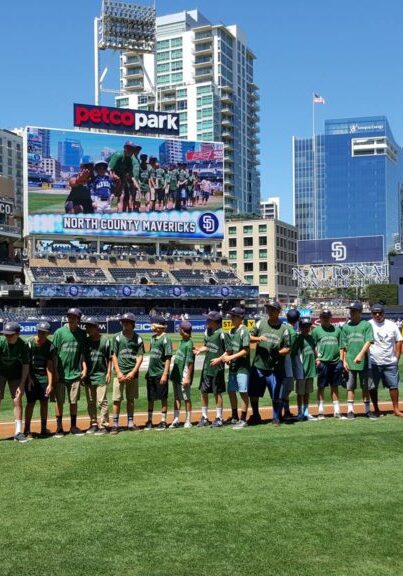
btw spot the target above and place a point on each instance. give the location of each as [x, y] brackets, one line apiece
[102, 184]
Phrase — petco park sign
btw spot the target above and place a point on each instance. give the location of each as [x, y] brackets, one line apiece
[125, 120]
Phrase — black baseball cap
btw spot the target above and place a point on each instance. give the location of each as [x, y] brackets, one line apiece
[11, 328]
[158, 320]
[325, 312]
[355, 306]
[131, 144]
[128, 316]
[273, 304]
[92, 322]
[306, 321]
[43, 327]
[378, 308]
[101, 163]
[293, 315]
[186, 327]
[74, 312]
[214, 316]
[237, 311]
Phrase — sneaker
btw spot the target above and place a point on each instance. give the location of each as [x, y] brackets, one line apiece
[339, 416]
[45, 433]
[203, 422]
[254, 420]
[321, 416]
[59, 433]
[75, 431]
[301, 418]
[311, 418]
[350, 415]
[175, 424]
[133, 428]
[102, 430]
[231, 421]
[217, 423]
[148, 426]
[240, 425]
[21, 438]
[374, 415]
[162, 426]
[188, 424]
[92, 429]
[28, 435]
[115, 430]
[288, 416]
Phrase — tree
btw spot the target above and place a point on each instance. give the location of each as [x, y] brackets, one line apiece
[386, 293]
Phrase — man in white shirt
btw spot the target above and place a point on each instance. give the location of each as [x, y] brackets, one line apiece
[384, 357]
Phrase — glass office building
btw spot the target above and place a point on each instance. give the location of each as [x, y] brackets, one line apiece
[349, 181]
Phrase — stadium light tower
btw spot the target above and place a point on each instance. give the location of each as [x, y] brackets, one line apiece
[122, 26]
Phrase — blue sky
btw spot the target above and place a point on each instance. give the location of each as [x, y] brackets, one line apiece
[349, 51]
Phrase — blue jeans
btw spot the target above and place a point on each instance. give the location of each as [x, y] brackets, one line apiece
[262, 379]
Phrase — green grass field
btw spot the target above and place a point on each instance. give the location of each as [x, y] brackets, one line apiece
[312, 499]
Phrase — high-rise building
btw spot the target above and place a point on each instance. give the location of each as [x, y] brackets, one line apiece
[11, 162]
[69, 154]
[206, 73]
[350, 182]
[174, 151]
[270, 208]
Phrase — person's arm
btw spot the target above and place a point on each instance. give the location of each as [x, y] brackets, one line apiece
[361, 355]
[133, 373]
[49, 373]
[120, 376]
[165, 374]
[84, 367]
[82, 178]
[24, 377]
[398, 349]
[228, 357]
[188, 380]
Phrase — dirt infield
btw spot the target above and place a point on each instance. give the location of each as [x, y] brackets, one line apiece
[7, 428]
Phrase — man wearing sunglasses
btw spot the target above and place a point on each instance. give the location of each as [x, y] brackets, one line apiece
[384, 357]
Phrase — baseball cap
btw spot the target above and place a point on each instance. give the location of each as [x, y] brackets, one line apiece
[214, 316]
[377, 308]
[273, 304]
[293, 315]
[158, 320]
[143, 156]
[10, 328]
[131, 144]
[101, 163]
[92, 322]
[325, 312]
[237, 311]
[128, 316]
[306, 321]
[186, 327]
[355, 306]
[74, 312]
[43, 327]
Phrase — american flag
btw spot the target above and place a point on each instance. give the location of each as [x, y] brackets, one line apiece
[318, 99]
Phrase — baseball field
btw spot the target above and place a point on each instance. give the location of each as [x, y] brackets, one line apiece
[314, 498]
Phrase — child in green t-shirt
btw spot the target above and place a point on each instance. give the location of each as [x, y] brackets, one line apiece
[305, 346]
[182, 375]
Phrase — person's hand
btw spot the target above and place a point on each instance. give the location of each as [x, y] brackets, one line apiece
[108, 379]
[317, 361]
[262, 339]
[121, 378]
[49, 390]
[345, 366]
[19, 393]
[216, 362]
[83, 176]
[163, 379]
[196, 351]
[226, 358]
[358, 359]
[186, 383]
[83, 374]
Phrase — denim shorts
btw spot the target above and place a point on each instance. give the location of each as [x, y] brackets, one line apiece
[388, 374]
[238, 382]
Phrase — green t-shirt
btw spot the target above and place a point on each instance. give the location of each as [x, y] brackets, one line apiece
[160, 351]
[158, 174]
[327, 342]
[12, 358]
[191, 182]
[98, 356]
[306, 348]
[267, 356]
[172, 179]
[70, 347]
[39, 358]
[182, 177]
[353, 338]
[217, 343]
[144, 178]
[124, 165]
[127, 350]
[238, 340]
[183, 357]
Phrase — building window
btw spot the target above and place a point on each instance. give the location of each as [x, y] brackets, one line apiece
[262, 254]
[248, 241]
[175, 54]
[262, 241]
[232, 230]
[262, 228]
[204, 89]
[248, 254]
[263, 279]
[176, 42]
[232, 242]
[248, 267]
[262, 266]
[182, 93]
[248, 279]
[233, 255]
[248, 229]
[162, 44]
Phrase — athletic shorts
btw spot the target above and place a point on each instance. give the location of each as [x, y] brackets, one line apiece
[72, 389]
[182, 393]
[238, 382]
[304, 386]
[156, 390]
[129, 389]
[330, 373]
[37, 392]
[160, 192]
[212, 384]
[357, 375]
[12, 386]
[388, 374]
[259, 380]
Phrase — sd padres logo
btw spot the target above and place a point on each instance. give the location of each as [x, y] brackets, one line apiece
[208, 223]
[339, 251]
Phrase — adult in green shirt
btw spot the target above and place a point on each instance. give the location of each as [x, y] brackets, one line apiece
[145, 173]
[158, 371]
[126, 166]
[14, 368]
[99, 363]
[182, 375]
[157, 180]
[181, 192]
[329, 365]
[172, 184]
[356, 338]
[70, 346]
[273, 344]
[41, 375]
[238, 358]
[292, 365]
[212, 379]
[127, 357]
[305, 347]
